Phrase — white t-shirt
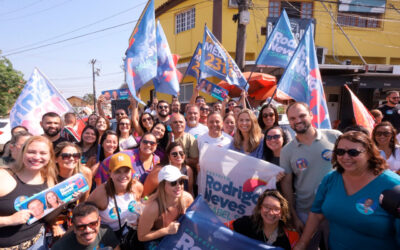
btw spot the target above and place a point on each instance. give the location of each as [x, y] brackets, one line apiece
[393, 162]
[127, 143]
[197, 131]
[224, 141]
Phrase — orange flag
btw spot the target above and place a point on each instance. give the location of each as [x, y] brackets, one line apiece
[361, 113]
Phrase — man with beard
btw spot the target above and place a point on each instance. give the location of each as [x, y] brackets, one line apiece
[163, 112]
[306, 160]
[390, 112]
[87, 232]
[193, 126]
[51, 125]
[175, 105]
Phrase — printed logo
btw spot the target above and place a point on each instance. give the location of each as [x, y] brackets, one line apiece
[389, 112]
[301, 164]
[366, 206]
[134, 207]
[113, 213]
[326, 155]
[250, 185]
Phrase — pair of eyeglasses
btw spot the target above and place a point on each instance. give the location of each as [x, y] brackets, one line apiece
[351, 152]
[175, 154]
[174, 183]
[266, 115]
[272, 137]
[232, 104]
[163, 107]
[152, 143]
[385, 133]
[92, 225]
[146, 119]
[66, 156]
[396, 97]
[124, 124]
[274, 210]
[204, 109]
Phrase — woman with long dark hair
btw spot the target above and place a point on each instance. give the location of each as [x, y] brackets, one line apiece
[274, 140]
[384, 137]
[107, 147]
[89, 146]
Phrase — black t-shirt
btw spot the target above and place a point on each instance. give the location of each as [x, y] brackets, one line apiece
[391, 114]
[245, 226]
[61, 139]
[105, 238]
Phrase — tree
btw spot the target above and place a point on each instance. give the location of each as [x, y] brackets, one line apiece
[11, 85]
[89, 98]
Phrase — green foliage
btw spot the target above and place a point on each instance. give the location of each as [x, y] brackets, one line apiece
[11, 85]
[88, 98]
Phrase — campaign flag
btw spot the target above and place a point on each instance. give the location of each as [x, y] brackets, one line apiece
[362, 115]
[38, 97]
[166, 80]
[231, 182]
[216, 61]
[194, 65]
[280, 45]
[141, 56]
[200, 229]
[302, 80]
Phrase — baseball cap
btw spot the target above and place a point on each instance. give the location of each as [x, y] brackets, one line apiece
[119, 160]
[170, 173]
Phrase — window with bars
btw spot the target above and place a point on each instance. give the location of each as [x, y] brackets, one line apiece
[185, 92]
[185, 20]
[362, 20]
[294, 9]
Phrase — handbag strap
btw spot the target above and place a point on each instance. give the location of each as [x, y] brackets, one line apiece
[116, 208]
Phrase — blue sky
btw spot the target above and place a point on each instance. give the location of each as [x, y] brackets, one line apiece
[31, 23]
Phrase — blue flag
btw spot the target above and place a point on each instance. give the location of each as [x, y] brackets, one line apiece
[167, 79]
[194, 65]
[141, 56]
[216, 61]
[280, 45]
[302, 80]
[200, 228]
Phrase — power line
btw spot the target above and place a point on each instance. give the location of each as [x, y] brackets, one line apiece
[69, 39]
[77, 29]
[22, 8]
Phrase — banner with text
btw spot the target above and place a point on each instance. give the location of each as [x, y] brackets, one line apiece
[231, 182]
[38, 97]
[200, 229]
[48, 200]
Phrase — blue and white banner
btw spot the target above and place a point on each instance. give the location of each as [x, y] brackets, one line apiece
[194, 65]
[201, 229]
[231, 182]
[38, 97]
[302, 80]
[365, 6]
[216, 61]
[280, 46]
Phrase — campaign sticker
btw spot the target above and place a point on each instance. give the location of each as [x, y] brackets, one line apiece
[366, 206]
[113, 213]
[326, 155]
[301, 163]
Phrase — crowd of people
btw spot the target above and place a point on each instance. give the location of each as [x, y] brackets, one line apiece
[142, 166]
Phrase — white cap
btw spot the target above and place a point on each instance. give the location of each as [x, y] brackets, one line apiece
[170, 173]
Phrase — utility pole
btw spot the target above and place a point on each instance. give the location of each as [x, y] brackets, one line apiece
[243, 19]
[94, 72]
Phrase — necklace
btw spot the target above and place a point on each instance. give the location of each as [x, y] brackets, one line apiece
[272, 238]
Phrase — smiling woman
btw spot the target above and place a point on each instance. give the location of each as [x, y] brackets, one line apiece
[33, 172]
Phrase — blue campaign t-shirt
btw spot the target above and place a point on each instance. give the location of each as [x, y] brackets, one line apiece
[358, 221]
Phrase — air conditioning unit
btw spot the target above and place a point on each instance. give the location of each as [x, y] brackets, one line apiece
[321, 52]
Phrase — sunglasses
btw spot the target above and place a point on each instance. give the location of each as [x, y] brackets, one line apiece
[351, 152]
[66, 156]
[385, 134]
[124, 124]
[175, 154]
[180, 181]
[266, 115]
[163, 107]
[152, 143]
[204, 109]
[92, 225]
[274, 137]
[147, 119]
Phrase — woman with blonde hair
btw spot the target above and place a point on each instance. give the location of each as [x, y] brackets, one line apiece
[248, 138]
[159, 217]
[33, 172]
